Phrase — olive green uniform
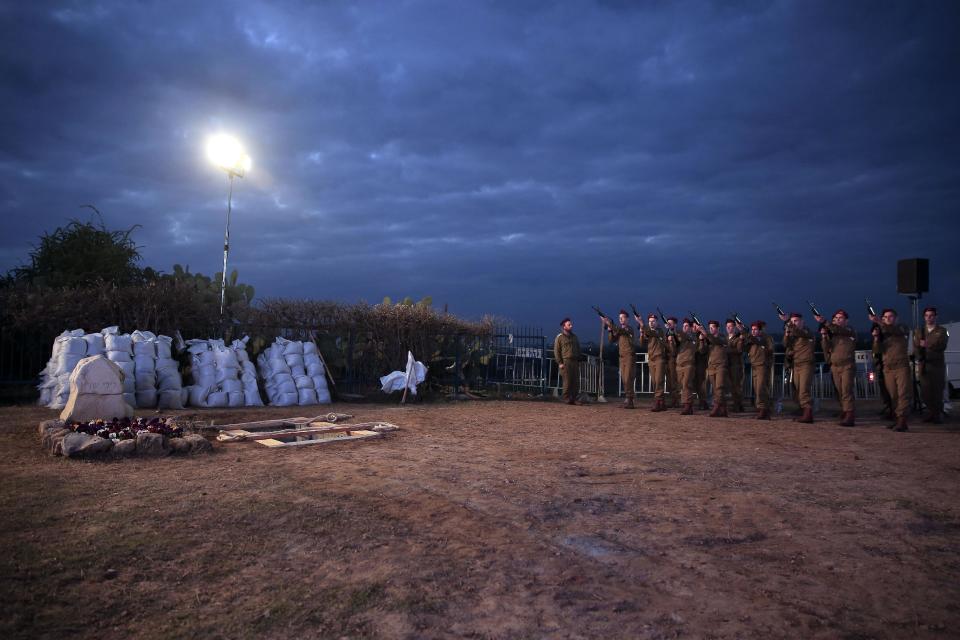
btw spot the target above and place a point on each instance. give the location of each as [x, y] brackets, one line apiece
[880, 378]
[717, 367]
[673, 379]
[760, 353]
[839, 346]
[656, 358]
[896, 368]
[736, 369]
[566, 352]
[700, 371]
[623, 336]
[688, 346]
[933, 372]
[800, 343]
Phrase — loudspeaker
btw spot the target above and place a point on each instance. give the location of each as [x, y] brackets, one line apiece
[913, 275]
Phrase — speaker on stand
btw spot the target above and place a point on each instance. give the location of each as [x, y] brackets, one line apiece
[913, 280]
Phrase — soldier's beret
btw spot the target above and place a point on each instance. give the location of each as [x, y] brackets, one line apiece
[713, 322]
[841, 312]
[672, 318]
[623, 312]
[759, 324]
[652, 315]
[729, 321]
[687, 321]
[886, 311]
[796, 314]
[564, 321]
[932, 309]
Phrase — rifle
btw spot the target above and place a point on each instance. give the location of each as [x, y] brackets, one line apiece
[636, 314]
[878, 355]
[599, 313]
[780, 312]
[694, 317]
[663, 319]
[816, 312]
[736, 318]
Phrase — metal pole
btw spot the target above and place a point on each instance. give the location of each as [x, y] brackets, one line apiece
[226, 247]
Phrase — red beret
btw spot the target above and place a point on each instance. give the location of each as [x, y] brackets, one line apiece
[759, 324]
[933, 309]
[623, 312]
[839, 312]
[672, 318]
[687, 321]
[885, 311]
[714, 322]
[652, 315]
[796, 314]
[564, 321]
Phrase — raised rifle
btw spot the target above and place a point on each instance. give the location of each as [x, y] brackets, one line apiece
[780, 312]
[636, 314]
[694, 317]
[816, 312]
[599, 313]
[663, 319]
[736, 318]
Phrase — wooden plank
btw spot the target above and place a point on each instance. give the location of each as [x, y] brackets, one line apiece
[360, 435]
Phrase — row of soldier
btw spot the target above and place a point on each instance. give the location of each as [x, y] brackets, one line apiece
[694, 359]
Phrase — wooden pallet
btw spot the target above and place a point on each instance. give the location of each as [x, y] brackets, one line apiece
[322, 437]
[301, 431]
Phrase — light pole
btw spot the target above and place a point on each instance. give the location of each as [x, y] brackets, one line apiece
[227, 153]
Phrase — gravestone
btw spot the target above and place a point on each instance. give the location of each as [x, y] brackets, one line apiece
[96, 391]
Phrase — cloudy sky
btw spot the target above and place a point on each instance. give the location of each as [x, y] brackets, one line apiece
[522, 159]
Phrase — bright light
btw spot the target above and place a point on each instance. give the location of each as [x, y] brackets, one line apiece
[227, 153]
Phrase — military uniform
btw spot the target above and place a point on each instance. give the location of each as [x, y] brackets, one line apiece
[688, 346]
[566, 352]
[800, 342]
[623, 337]
[879, 379]
[896, 371]
[933, 370]
[673, 379]
[736, 369]
[657, 361]
[717, 372]
[700, 373]
[760, 353]
[839, 346]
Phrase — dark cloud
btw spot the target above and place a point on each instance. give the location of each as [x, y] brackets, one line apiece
[525, 161]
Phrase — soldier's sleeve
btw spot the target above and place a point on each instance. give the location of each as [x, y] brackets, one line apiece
[556, 350]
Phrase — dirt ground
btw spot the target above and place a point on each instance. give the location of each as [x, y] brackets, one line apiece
[492, 519]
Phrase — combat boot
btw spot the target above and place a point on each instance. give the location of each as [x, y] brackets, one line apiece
[848, 420]
[687, 409]
[715, 412]
[887, 414]
[738, 407]
[764, 414]
[807, 417]
[628, 404]
[723, 410]
[675, 403]
[901, 424]
[657, 406]
[703, 404]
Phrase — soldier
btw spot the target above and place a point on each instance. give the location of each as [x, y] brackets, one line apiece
[700, 370]
[716, 367]
[880, 380]
[623, 336]
[688, 343]
[656, 342]
[896, 365]
[735, 364]
[566, 351]
[799, 340]
[759, 347]
[839, 344]
[673, 380]
[930, 341]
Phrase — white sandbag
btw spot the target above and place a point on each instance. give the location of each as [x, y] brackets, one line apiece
[229, 373]
[95, 344]
[198, 395]
[307, 396]
[226, 358]
[323, 396]
[170, 400]
[319, 383]
[309, 348]
[294, 360]
[231, 385]
[130, 398]
[144, 349]
[286, 399]
[119, 356]
[67, 362]
[303, 382]
[46, 395]
[291, 347]
[145, 381]
[315, 369]
[235, 399]
[278, 365]
[110, 331]
[169, 381]
[298, 372]
[248, 378]
[73, 344]
[166, 364]
[164, 347]
[143, 336]
[248, 367]
[144, 363]
[197, 346]
[146, 398]
[204, 359]
[118, 342]
[218, 399]
[251, 398]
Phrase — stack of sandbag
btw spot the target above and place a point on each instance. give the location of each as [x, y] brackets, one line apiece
[218, 375]
[170, 391]
[119, 350]
[69, 348]
[293, 374]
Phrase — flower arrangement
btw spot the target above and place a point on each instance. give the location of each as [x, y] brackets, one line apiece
[126, 428]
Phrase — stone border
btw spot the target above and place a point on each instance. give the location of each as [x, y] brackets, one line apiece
[60, 441]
